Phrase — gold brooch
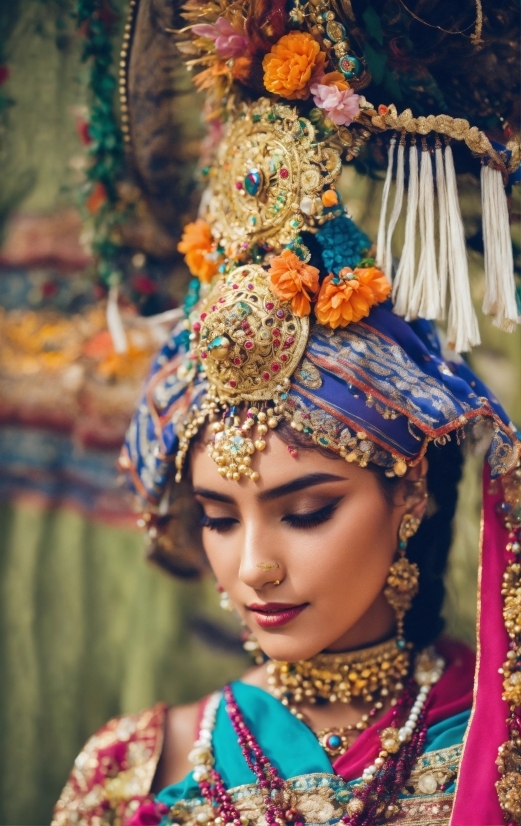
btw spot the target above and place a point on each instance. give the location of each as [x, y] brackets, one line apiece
[270, 170]
[248, 340]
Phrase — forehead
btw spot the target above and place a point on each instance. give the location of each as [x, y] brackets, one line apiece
[276, 466]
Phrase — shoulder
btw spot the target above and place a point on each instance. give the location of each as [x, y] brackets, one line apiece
[181, 730]
[115, 769]
[180, 733]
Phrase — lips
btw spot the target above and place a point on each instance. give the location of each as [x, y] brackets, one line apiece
[275, 614]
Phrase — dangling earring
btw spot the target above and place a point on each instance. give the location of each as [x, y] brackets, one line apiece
[402, 582]
[251, 645]
[224, 601]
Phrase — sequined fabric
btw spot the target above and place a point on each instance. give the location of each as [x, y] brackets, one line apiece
[113, 774]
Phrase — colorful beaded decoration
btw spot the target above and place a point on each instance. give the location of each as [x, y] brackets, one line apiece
[374, 796]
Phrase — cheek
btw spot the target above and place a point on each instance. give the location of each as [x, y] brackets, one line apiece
[348, 564]
[224, 554]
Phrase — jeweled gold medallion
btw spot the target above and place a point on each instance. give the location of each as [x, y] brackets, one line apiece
[267, 179]
[248, 340]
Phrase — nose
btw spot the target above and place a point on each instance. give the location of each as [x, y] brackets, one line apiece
[261, 564]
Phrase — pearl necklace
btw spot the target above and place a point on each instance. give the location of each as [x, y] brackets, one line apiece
[367, 795]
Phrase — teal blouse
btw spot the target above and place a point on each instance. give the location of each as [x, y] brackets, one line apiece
[288, 743]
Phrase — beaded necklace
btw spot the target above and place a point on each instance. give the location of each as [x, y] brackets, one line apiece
[374, 797]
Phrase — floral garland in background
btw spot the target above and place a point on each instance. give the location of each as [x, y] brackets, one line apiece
[112, 205]
[97, 20]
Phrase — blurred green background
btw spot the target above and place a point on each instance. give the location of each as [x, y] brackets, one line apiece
[87, 629]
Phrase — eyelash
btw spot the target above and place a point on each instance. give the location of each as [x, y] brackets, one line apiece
[220, 525]
[313, 519]
[297, 521]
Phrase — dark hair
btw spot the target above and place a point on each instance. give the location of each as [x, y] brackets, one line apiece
[429, 548]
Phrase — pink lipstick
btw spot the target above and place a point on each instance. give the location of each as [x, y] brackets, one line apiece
[275, 614]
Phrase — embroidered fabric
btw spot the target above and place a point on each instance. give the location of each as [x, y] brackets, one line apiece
[379, 389]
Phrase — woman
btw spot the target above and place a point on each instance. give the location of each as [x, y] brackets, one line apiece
[317, 437]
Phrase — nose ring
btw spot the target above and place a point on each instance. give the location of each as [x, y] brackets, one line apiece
[277, 582]
[267, 566]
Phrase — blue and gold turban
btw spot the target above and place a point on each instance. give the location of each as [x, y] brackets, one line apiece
[376, 391]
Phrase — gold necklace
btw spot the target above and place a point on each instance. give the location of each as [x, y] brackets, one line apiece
[341, 677]
[370, 674]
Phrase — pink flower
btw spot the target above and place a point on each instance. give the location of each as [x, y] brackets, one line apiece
[342, 105]
[228, 41]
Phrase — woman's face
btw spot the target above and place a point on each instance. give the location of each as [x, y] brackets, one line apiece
[321, 527]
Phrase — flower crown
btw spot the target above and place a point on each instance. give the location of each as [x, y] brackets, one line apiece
[274, 249]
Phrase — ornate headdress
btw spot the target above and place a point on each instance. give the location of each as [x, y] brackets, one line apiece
[282, 317]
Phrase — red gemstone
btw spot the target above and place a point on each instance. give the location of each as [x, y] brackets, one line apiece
[270, 305]
[283, 172]
[250, 286]
[238, 185]
[196, 327]
[235, 287]
[290, 340]
[265, 376]
[283, 357]
[202, 316]
[275, 367]
[222, 300]
[203, 355]
[233, 383]
[276, 343]
[237, 361]
[276, 332]
[245, 325]
[248, 344]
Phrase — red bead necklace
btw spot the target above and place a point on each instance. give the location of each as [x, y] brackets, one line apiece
[373, 801]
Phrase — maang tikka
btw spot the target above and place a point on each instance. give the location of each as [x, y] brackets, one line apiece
[402, 582]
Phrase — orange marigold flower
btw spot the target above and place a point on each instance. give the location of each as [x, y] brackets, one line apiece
[349, 296]
[293, 280]
[291, 63]
[197, 243]
[329, 198]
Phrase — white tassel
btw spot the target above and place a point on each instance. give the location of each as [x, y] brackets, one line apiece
[500, 288]
[380, 242]
[443, 220]
[425, 296]
[387, 263]
[404, 280]
[463, 330]
[114, 322]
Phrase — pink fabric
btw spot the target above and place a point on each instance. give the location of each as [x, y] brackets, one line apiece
[450, 696]
[476, 802]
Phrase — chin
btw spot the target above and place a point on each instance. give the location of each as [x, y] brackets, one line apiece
[290, 647]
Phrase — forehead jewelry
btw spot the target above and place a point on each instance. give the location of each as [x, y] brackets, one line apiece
[267, 566]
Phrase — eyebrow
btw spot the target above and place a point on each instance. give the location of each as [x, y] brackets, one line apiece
[308, 481]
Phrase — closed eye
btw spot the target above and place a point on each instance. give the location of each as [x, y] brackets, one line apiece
[220, 524]
[313, 518]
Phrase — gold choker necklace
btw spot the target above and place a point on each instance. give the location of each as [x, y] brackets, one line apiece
[368, 674]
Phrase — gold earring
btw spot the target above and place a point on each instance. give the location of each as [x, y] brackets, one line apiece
[277, 582]
[402, 582]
